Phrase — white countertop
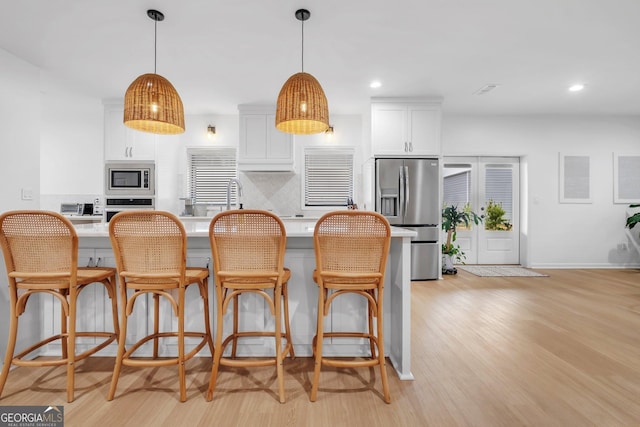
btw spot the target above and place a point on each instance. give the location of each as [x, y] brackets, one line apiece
[296, 227]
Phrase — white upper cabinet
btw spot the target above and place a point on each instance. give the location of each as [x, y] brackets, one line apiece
[405, 127]
[263, 147]
[123, 143]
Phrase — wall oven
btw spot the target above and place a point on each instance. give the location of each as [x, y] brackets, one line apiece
[130, 179]
[113, 205]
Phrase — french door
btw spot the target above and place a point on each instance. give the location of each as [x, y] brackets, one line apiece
[488, 186]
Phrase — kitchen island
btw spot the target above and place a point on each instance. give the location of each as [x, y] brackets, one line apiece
[95, 249]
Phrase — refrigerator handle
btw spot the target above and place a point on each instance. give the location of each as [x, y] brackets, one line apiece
[401, 204]
[407, 190]
[378, 191]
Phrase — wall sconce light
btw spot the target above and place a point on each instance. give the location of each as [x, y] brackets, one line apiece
[329, 132]
[211, 131]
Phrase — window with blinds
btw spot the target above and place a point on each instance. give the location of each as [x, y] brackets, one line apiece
[457, 189]
[499, 187]
[209, 171]
[328, 177]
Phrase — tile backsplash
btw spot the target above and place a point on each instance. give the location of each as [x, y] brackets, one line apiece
[275, 191]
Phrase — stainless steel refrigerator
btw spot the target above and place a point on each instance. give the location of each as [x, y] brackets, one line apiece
[407, 194]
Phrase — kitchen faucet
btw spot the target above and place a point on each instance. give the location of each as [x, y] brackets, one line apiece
[239, 184]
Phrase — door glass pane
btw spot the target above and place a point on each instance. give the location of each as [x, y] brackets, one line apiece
[498, 197]
[457, 187]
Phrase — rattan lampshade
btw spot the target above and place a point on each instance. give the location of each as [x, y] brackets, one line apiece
[152, 104]
[302, 106]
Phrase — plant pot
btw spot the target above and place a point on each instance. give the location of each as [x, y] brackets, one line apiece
[447, 265]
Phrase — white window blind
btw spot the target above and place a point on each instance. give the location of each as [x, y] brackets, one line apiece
[328, 177]
[209, 171]
[499, 187]
[457, 189]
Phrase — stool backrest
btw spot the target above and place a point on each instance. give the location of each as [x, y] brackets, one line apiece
[38, 241]
[148, 242]
[246, 239]
[352, 242]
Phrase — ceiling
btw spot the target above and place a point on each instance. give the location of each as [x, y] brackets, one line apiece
[219, 54]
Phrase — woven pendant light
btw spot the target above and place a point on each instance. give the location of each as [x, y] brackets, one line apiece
[151, 103]
[302, 106]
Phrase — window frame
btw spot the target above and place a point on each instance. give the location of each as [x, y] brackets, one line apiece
[220, 179]
[325, 151]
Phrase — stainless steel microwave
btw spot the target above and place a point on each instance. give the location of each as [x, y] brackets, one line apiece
[130, 179]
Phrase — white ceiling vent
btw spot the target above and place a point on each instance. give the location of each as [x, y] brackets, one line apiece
[486, 89]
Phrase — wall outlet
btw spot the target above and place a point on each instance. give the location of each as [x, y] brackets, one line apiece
[27, 194]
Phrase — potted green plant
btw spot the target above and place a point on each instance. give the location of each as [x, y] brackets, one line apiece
[452, 218]
[633, 219]
[494, 219]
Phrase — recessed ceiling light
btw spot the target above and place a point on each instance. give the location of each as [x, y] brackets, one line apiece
[576, 87]
[375, 84]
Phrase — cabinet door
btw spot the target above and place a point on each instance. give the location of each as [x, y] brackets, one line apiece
[115, 134]
[253, 137]
[142, 145]
[279, 146]
[424, 130]
[389, 128]
[123, 143]
[262, 146]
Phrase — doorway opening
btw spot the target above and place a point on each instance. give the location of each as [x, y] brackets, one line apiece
[488, 186]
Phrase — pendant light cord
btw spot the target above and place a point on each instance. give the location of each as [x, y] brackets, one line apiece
[155, 45]
[302, 46]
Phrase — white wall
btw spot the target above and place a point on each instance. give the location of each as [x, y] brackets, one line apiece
[558, 235]
[20, 124]
[71, 145]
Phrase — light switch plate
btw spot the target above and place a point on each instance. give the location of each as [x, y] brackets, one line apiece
[27, 194]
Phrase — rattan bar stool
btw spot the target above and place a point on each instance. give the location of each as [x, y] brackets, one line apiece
[351, 250]
[151, 254]
[248, 249]
[40, 251]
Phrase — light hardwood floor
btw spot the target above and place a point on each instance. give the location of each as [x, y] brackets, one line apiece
[562, 350]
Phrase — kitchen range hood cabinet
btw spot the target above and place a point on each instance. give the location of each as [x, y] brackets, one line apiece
[262, 147]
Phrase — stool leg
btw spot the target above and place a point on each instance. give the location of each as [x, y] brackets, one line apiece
[381, 359]
[234, 344]
[121, 340]
[217, 347]
[181, 368]
[111, 286]
[11, 343]
[317, 345]
[64, 327]
[156, 323]
[207, 320]
[370, 314]
[277, 301]
[71, 343]
[287, 328]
